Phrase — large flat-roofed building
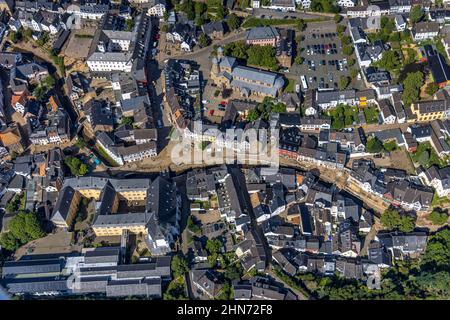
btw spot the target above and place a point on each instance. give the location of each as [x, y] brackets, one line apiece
[99, 271]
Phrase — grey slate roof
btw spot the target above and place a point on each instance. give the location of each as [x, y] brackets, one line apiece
[260, 33]
[13, 268]
[150, 287]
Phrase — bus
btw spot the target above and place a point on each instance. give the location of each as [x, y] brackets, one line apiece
[304, 83]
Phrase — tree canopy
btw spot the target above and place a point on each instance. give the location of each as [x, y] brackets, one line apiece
[233, 21]
[262, 56]
[416, 14]
[179, 266]
[76, 166]
[23, 228]
[391, 219]
[389, 61]
[324, 6]
[438, 218]
[411, 87]
[374, 145]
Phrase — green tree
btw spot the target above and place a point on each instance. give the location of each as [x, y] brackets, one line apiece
[416, 14]
[390, 145]
[221, 12]
[434, 284]
[346, 40]
[237, 50]
[203, 40]
[129, 24]
[438, 218]
[49, 82]
[324, 6]
[253, 115]
[391, 219]
[432, 88]
[245, 4]
[26, 226]
[301, 24]
[340, 29]
[188, 8]
[337, 18]
[27, 33]
[176, 290]
[233, 272]
[15, 37]
[347, 50]
[233, 22]
[9, 242]
[199, 8]
[337, 124]
[179, 266]
[343, 82]
[437, 254]
[40, 93]
[192, 226]
[374, 145]
[81, 143]
[77, 168]
[389, 61]
[226, 293]
[411, 87]
[43, 39]
[213, 246]
[127, 121]
[262, 56]
[83, 169]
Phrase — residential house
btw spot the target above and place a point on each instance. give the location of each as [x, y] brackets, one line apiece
[439, 179]
[387, 112]
[408, 195]
[425, 30]
[157, 8]
[282, 5]
[214, 30]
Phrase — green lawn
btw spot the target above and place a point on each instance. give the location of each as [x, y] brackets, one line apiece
[290, 86]
[371, 114]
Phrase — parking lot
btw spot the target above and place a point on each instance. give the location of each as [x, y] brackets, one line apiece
[323, 61]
